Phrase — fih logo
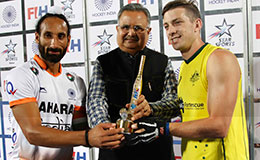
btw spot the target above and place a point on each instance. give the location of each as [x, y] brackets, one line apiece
[9, 14]
[67, 8]
[103, 39]
[35, 12]
[74, 43]
[143, 2]
[103, 5]
[10, 47]
[223, 29]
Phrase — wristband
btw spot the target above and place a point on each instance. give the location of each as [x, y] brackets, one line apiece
[86, 139]
[167, 130]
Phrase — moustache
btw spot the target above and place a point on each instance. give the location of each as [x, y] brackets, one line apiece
[135, 38]
[54, 49]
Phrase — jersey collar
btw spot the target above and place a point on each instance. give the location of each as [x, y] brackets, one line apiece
[195, 54]
[43, 65]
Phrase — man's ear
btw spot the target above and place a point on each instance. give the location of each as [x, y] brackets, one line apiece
[69, 38]
[37, 37]
[198, 24]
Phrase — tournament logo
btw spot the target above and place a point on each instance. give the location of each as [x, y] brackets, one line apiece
[67, 8]
[104, 39]
[9, 14]
[224, 29]
[103, 5]
[195, 77]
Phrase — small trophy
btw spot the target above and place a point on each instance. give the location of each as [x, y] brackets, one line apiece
[125, 120]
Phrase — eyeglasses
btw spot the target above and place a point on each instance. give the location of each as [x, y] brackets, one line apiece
[137, 29]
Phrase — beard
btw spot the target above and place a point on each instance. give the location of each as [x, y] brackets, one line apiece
[53, 58]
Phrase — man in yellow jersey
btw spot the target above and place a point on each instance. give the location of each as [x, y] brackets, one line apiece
[214, 124]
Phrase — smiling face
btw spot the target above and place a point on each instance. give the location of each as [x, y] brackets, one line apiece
[132, 31]
[53, 39]
[181, 30]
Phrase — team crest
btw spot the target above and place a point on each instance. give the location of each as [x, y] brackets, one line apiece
[34, 70]
[195, 77]
[70, 77]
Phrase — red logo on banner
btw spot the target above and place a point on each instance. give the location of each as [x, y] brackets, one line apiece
[257, 31]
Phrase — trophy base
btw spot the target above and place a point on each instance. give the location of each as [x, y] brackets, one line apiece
[126, 124]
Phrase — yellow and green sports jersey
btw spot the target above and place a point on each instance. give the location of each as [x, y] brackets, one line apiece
[192, 88]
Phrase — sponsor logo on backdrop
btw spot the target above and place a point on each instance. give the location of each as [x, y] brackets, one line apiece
[223, 35]
[104, 39]
[36, 12]
[257, 31]
[257, 125]
[103, 6]
[79, 155]
[10, 52]
[75, 46]
[67, 8]
[143, 2]
[212, 2]
[9, 15]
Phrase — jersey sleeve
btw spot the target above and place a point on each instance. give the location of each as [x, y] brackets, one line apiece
[20, 87]
[79, 115]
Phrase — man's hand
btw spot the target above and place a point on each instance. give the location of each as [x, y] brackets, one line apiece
[142, 108]
[105, 136]
[148, 129]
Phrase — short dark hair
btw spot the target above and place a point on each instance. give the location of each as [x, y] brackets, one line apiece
[135, 7]
[189, 6]
[47, 15]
